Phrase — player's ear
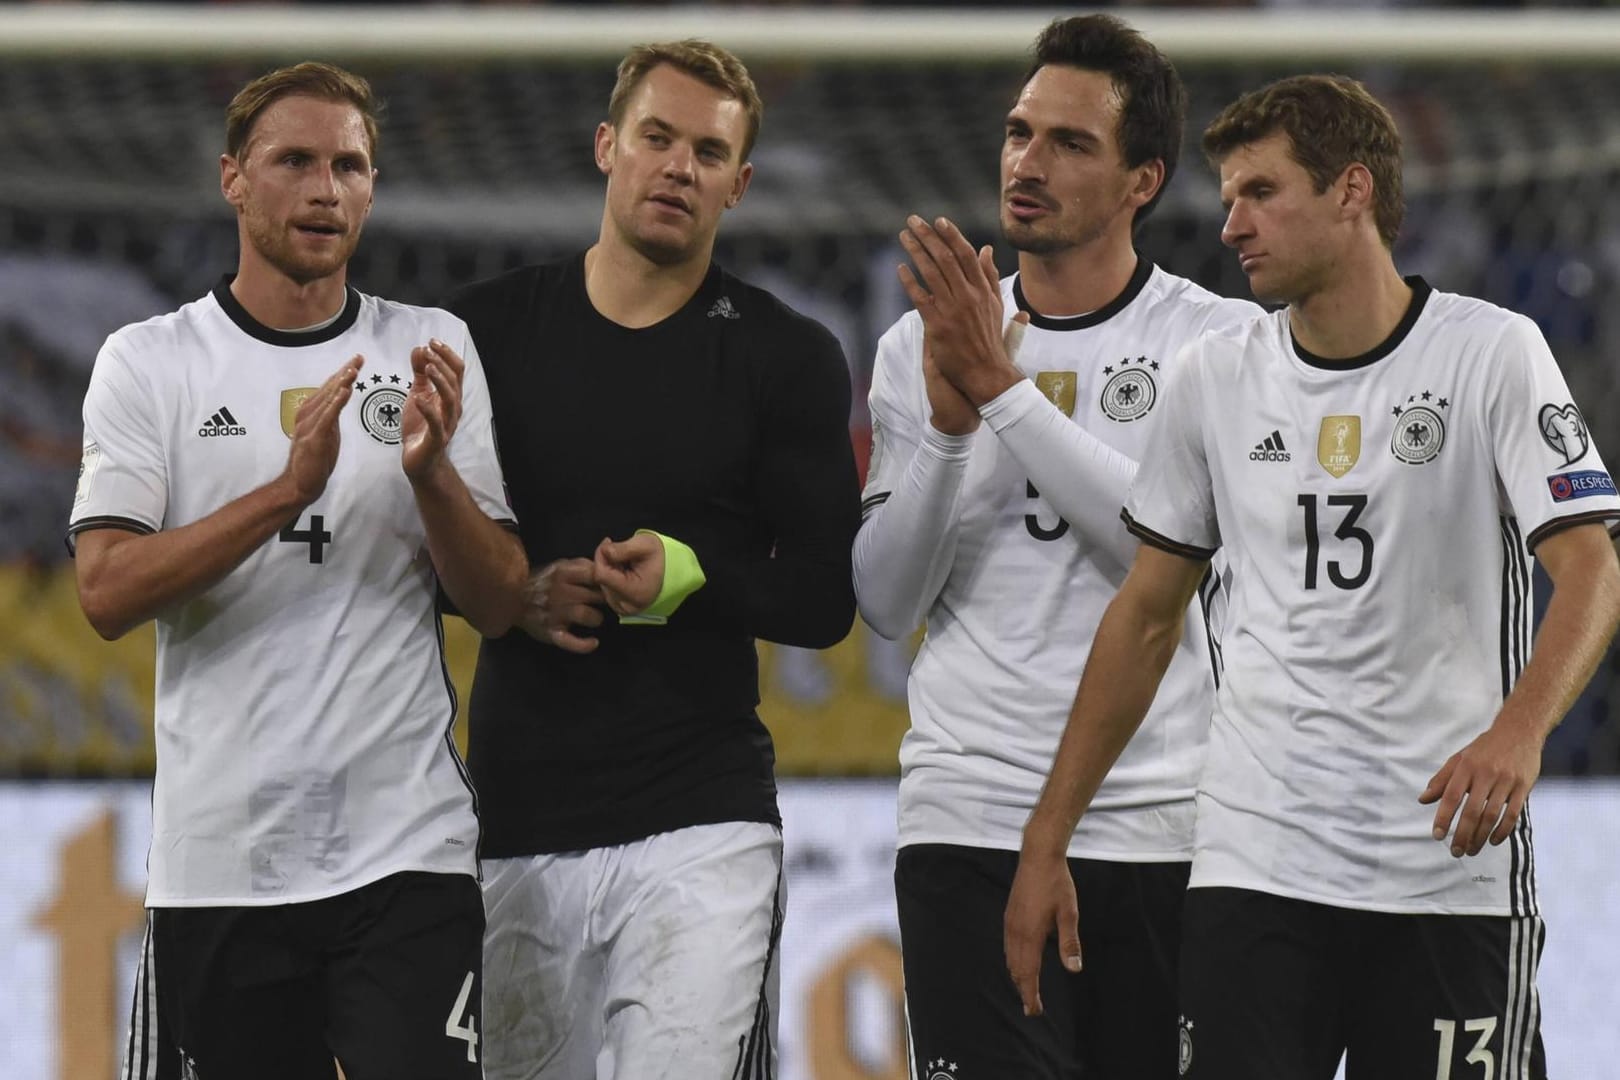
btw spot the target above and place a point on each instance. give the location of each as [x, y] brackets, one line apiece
[1356, 189]
[230, 179]
[740, 185]
[606, 143]
[1149, 179]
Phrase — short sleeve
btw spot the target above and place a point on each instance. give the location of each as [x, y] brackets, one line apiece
[123, 473]
[1172, 502]
[472, 448]
[1550, 472]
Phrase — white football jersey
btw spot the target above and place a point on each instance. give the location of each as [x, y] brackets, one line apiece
[304, 711]
[1008, 635]
[1378, 516]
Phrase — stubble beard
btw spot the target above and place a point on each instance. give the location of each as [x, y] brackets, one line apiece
[658, 251]
[1023, 238]
[277, 247]
[1053, 240]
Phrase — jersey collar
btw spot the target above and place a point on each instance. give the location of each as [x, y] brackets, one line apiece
[1421, 291]
[287, 338]
[1133, 287]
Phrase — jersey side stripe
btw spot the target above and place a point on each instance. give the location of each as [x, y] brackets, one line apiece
[1521, 624]
[1207, 591]
[1515, 604]
[1525, 830]
[1530, 858]
[872, 502]
[450, 744]
[1515, 616]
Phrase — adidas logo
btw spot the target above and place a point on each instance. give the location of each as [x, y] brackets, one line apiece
[1270, 448]
[723, 310]
[222, 423]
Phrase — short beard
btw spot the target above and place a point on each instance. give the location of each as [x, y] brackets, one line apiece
[300, 271]
[1031, 242]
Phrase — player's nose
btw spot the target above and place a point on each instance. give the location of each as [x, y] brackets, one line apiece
[323, 185]
[1237, 226]
[679, 163]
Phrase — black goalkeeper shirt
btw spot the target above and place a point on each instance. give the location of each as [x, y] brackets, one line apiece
[725, 426]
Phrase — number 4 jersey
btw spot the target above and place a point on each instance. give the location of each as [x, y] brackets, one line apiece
[1378, 516]
[304, 713]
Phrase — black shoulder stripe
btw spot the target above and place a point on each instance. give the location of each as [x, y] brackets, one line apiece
[1164, 543]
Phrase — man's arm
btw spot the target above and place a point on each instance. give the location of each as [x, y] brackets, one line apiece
[808, 497]
[958, 292]
[125, 578]
[1134, 644]
[480, 564]
[1081, 477]
[1489, 780]
[907, 541]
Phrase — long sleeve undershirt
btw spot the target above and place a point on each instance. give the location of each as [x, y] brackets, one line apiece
[905, 548]
[1084, 479]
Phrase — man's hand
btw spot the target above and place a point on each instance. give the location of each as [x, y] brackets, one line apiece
[1494, 774]
[315, 437]
[958, 294]
[560, 596]
[432, 409]
[1042, 901]
[952, 414]
[630, 572]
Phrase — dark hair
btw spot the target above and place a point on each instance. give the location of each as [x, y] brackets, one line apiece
[1153, 99]
[702, 60]
[1332, 122]
[326, 82]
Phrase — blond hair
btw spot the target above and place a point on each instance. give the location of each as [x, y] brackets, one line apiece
[702, 60]
[326, 82]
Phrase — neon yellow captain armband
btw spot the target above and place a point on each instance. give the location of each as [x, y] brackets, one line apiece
[682, 577]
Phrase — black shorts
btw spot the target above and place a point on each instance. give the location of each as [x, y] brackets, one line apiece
[386, 979]
[1279, 988]
[1115, 1020]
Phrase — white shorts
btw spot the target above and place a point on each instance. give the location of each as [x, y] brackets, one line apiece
[651, 959]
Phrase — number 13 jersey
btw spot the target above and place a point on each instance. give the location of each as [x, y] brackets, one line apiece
[303, 710]
[1379, 516]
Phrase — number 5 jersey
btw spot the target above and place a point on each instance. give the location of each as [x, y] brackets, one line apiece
[1014, 603]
